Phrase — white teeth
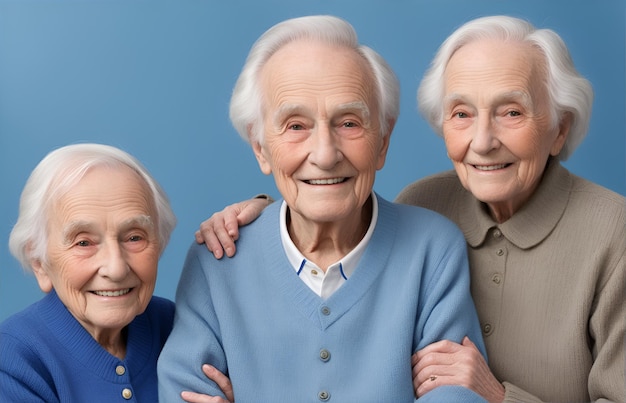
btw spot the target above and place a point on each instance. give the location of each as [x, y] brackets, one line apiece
[489, 167]
[326, 181]
[112, 293]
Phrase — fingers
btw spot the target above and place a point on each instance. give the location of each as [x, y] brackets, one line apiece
[222, 381]
[249, 211]
[214, 233]
[193, 397]
[221, 230]
[450, 363]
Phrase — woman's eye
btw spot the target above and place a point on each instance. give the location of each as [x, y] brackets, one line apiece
[460, 115]
[83, 243]
[296, 126]
[350, 124]
[514, 113]
[135, 238]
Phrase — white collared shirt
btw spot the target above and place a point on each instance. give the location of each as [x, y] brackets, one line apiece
[325, 284]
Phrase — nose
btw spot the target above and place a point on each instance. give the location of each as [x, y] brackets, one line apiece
[112, 261]
[325, 151]
[484, 138]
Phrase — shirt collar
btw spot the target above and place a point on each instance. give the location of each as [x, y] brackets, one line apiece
[533, 222]
[348, 262]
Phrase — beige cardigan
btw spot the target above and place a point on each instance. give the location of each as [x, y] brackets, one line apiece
[549, 285]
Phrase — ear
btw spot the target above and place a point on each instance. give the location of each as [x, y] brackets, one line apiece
[563, 132]
[382, 155]
[44, 281]
[264, 163]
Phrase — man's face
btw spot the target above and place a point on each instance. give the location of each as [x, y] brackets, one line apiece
[322, 139]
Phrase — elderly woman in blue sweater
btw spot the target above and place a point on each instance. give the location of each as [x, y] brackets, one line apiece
[91, 227]
[334, 287]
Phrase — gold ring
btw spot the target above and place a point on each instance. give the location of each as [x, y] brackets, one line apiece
[433, 378]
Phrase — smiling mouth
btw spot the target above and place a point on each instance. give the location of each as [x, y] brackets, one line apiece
[117, 293]
[490, 167]
[332, 181]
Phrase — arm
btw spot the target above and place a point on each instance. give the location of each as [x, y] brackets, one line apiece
[221, 230]
[195, 338]
[607, 328]
[447, 318]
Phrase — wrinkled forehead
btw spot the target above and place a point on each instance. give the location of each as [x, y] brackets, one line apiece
[518, 67]
[73, 173]
[305, 69]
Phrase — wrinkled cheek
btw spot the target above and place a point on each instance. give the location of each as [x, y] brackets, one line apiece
[456, 151]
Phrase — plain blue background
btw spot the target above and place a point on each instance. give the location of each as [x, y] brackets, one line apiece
[154, 78]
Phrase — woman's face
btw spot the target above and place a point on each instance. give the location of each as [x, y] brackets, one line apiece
[497, 126]
[322, 137]
[103, 250]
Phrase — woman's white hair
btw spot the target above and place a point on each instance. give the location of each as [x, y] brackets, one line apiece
[568, 91]
[54, 176]
[246, 113]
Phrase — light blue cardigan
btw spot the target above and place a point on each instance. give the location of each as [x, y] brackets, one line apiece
[253, 318]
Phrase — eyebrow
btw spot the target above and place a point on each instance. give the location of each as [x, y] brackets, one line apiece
[358, 107]
[287, 110]
[509, 96]
[76, 227]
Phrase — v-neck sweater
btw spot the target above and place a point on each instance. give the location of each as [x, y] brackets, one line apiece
[254, 319]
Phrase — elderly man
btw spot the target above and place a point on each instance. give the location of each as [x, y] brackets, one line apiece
[337, 286]
[547, 248]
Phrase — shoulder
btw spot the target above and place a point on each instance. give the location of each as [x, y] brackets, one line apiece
[598, 210]
[23, 321]
[160, 312]
[430, 191]
[160, 306]
[22, 337]
[585, 192]
[414, 220]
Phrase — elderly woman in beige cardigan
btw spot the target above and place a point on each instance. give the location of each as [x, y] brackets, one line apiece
[547, 248]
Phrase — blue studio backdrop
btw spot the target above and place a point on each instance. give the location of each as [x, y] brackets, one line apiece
[154, 78]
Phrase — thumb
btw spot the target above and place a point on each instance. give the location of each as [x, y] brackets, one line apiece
[467, 342]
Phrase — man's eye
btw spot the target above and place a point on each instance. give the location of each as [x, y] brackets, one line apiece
[350, 124]
[296, 127]
[83, 243]
[514, 113]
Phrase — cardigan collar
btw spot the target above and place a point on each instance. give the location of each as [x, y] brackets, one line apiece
[86, 351]
[533, 222]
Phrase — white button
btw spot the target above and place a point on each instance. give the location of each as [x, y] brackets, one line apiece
[127, 393]
[120, 370]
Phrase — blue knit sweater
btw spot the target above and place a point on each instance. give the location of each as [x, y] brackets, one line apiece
[253, 318]
[47, 356]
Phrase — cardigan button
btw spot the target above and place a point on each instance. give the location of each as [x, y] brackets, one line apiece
[323, 396]
[120, 370]
[127, 393]
[487, 329]
[500, 252]
[325, 310]
[324, 355]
